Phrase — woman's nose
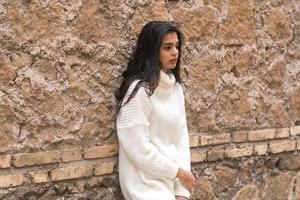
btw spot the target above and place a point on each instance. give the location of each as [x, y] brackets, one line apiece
[174, 51]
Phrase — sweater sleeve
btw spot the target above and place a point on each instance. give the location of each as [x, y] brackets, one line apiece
[183, 149]
[133, 134]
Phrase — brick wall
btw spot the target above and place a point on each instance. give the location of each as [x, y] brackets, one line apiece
[18, 169]
[51, 167]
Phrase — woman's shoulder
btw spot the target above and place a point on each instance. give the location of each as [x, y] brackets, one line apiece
[141, 90]
[134, 84]
[180, 91]
[179, 87]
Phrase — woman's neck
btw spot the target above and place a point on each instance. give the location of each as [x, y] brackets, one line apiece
[167, 79]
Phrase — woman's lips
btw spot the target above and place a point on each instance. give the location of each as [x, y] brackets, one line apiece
[173, 61]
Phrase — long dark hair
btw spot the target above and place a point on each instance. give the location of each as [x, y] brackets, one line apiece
[144, 63]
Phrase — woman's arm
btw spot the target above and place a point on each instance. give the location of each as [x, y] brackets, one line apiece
[136, 144]
[133, 134]
[186, 179]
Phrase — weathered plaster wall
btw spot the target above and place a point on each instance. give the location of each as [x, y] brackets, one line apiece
[59, 66]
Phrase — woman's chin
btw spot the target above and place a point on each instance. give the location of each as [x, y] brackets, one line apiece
[172, 66]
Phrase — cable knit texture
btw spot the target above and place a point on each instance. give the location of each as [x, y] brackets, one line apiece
[154, 142]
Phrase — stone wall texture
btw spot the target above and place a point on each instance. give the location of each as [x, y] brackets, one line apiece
[60, 63]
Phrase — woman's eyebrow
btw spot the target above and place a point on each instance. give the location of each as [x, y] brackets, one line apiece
[170, 43]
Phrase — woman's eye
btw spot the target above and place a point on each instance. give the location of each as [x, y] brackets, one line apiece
[167, 47]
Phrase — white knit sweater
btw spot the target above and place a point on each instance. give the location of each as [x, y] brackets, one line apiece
[154, 142]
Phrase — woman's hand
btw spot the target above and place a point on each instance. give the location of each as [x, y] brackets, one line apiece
[186, 178]
[181, 198]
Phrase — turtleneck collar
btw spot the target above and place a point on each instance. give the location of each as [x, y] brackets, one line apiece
[167, 80]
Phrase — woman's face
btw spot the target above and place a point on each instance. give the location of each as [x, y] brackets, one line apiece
[168, 53]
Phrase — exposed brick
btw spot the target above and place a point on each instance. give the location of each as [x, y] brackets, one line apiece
[260, 148]
[239, 137]
[194, 140]
[5, 161]
[71, 155]
[295, 130]
[39, 177]
[198, 155]
[298, 143]
[204, 139]
[261, 135]
[29, 159]
[11, 180]
[282, 133]
[240, 151]
[104, 168]
[215, 154]
[101, 151]
[220, 138]
[282, 146]
[71, 172]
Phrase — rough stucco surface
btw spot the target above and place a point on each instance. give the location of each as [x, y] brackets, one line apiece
[60, 62]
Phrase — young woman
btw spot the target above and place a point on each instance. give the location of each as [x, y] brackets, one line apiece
[154, 153]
